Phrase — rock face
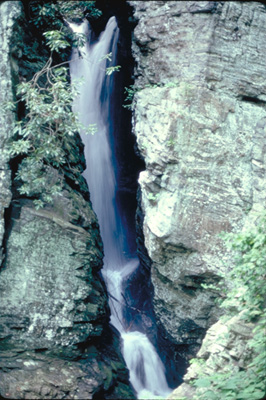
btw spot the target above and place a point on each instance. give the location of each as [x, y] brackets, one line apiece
[49, 280]
[9, 12]
[199, 119]
[224, 347]
[55, 338]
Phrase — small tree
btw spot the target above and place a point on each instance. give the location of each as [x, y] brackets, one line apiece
[42, 136]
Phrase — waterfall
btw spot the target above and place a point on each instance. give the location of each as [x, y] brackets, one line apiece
[147, 373]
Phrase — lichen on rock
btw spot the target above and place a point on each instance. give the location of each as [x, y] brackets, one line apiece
[55, 337]
[199, 119]
[224, 349]
[54, 311]
[9, 13]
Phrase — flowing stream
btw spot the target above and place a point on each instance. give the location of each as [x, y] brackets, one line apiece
[147, 373]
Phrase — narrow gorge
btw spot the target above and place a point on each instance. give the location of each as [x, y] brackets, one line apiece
[112, 240]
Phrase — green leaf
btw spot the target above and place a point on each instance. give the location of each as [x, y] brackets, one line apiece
[56, 40]
[110, 70]
[106, 57]
[202, 383]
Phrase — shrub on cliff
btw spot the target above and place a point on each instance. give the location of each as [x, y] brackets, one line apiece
[247, 297]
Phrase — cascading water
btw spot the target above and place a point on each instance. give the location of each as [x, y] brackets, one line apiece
[147, 373]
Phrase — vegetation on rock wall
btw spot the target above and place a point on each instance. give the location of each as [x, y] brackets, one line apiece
[44, 13]
[246, 297]
[42, 135]
[45, 295]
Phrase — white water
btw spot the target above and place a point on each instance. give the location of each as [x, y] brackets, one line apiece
[147, 373]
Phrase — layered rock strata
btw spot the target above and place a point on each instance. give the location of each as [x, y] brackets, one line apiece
[224, 348]
[55, 339]
[199, 118]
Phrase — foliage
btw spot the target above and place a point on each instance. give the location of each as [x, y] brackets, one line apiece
[250, 271]
[78, 9]
[53, 13]
[153, 197]
[56, 40]
[110, 70]
[114, 68]
[43, 133]
[247, 296]
[130, 92]
[42, 137]
[171, 142]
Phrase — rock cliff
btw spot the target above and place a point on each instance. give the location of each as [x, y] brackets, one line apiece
[224, 348]
[199, 117]
[55, 338]
[9, 12]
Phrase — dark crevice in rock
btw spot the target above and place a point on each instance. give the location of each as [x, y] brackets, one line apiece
[210, 8]
[11, 213]
[162, 277]
[253, 100]
[196, 281]
[126, 162]
[4, 241]
[174, 357]
[42, 350]
[189, 290]
[141, 249]
[139, 289]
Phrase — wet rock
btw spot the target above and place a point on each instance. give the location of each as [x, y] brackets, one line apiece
[40, 375]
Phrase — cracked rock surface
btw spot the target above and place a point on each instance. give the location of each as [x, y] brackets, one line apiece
[9, 13]
[55, 337]
[200, 120]
[55, 340]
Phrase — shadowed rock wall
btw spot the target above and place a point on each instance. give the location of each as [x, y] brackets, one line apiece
[55, 338]
[9, 12]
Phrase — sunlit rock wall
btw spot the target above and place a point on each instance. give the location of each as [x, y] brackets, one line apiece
[199, 117]
[225, 347]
